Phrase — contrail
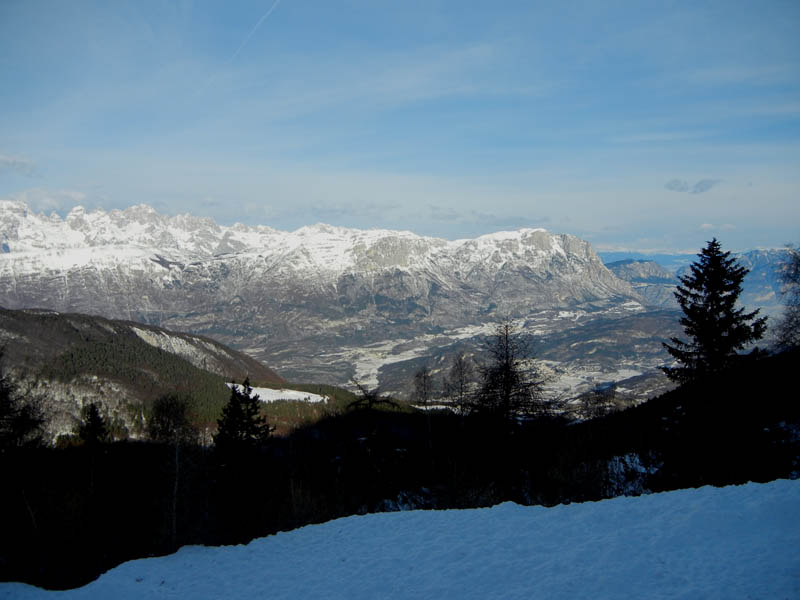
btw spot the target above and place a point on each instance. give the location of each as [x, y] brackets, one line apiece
[211, 79]
[252, 31]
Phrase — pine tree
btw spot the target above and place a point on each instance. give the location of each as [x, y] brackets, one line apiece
[787, 330]
[92, 429]
[716, 327]
[241, 426]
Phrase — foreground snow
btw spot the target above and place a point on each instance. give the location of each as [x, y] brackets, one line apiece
[734, 542]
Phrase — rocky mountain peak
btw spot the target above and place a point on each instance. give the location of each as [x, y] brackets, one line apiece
[260, 289]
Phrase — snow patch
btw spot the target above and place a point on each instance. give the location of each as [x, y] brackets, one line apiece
[271, 395]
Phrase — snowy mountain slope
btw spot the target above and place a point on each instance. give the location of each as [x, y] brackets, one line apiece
[33, 243]
[258, 289]
[733, 542]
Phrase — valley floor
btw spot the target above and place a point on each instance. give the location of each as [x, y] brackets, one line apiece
[732, 542]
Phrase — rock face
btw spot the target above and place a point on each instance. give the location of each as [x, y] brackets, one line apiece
[652, 281]
[270, 292]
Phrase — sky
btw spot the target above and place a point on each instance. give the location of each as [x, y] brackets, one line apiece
[635, 125]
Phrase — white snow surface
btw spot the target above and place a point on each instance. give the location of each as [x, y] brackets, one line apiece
[733, 542]
[271, 395]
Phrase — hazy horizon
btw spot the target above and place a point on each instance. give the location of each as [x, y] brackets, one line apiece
[607, 252]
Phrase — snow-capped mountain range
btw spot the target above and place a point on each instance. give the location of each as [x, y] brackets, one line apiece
[92, 261]
[329, 303]
[322, 252]
[291, 297]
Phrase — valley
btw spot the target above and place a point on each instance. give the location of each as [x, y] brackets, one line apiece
[334, 305]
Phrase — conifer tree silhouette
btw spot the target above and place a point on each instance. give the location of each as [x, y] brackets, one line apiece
[716, 327]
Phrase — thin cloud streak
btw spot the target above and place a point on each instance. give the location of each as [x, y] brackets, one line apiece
[702, 186]
[257, 25]
[246, 39]
[17, 164]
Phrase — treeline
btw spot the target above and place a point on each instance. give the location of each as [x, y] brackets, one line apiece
[70, 514]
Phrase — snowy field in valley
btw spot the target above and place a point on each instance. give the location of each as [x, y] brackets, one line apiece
[271, 395]
[733, 542]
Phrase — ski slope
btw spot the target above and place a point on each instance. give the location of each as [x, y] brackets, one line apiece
[734, 542]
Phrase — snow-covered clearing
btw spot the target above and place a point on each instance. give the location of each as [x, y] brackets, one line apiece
[271, 395]
[734, 542]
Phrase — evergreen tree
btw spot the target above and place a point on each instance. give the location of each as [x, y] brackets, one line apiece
[241, 426]
[92, 429]
[716, 327]
[787, 331]
[21, 419]
[511, 384]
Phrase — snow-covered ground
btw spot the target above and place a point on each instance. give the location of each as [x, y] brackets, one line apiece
[734, 542]
[271, 395]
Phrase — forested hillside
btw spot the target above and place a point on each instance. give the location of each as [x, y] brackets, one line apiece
[71, 359]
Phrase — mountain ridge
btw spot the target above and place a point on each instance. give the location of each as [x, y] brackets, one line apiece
[72, 359]
[257, 289]
[329, 304]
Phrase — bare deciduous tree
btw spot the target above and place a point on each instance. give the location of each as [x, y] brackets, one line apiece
[511, 385]
[460, 382]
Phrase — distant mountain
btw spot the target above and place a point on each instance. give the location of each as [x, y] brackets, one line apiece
[306, 301]
[73, 359]
[761, 287]
[652, 281]
[671, 262]
[641, 271]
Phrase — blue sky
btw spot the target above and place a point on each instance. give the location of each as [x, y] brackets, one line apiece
[636, 125]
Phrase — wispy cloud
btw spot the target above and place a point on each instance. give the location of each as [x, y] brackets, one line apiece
[301, 86]
[485, 219]
[680, 185]
[44, 200]
[712, 227]
[660, 136]
[743, 75]
[703, 186]
[17, 164]
[677, 185]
